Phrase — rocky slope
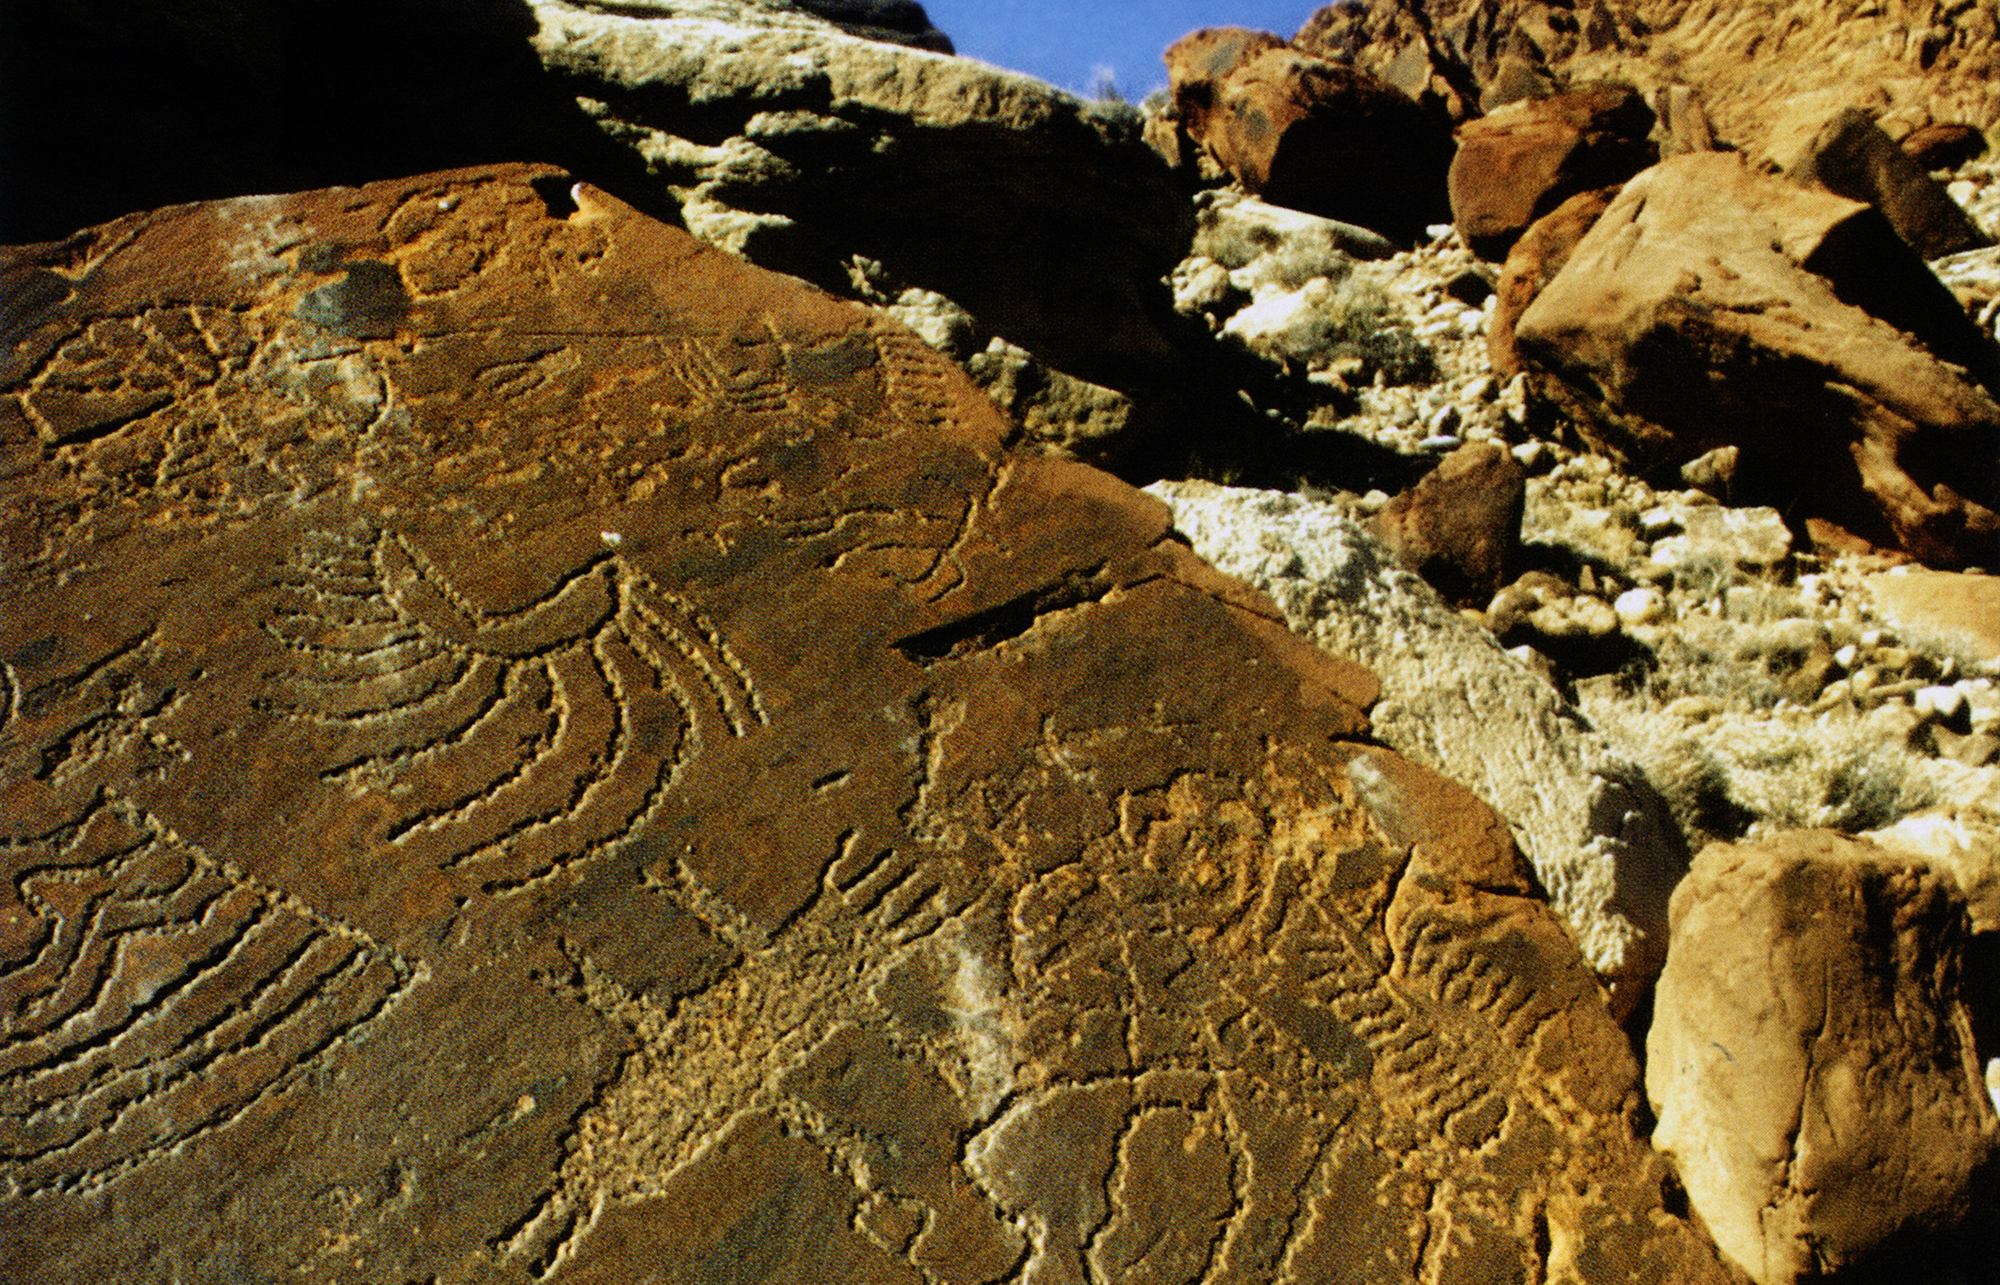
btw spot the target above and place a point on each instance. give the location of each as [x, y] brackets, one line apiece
[608, 760]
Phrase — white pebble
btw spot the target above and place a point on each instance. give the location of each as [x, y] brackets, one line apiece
[1640, 606]
[1946, 703]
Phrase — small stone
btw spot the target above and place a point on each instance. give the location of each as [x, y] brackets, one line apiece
[1534, 456]
[1713, 472]
[1946, 704]
[1470, 287]
[1654, 523]
[1480, 391]
[1973, 749]
[1693, 709]
[1846, 656]
[1459, 525]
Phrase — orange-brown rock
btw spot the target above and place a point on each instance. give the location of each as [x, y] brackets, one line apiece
[1199, 63]
[1521, 161]
[1849, 155]
[533, 750]
[1944, 145]
[1311, 134]
[1460, 525]
[1710, 307]
[1812, 1065]
[1532, 263]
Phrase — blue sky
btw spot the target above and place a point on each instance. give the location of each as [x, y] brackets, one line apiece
[1076, 43]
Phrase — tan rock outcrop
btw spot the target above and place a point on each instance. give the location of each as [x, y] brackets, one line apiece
[1933, 60]
[1811, 1057]
[1962, 609]
[1691, 316]
[532, 750]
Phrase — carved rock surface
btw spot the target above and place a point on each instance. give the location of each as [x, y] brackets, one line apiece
[1600, 837]
[759, 126]
[1712, 307]
[533, 750]
[1524, 159]
[1811, 1056]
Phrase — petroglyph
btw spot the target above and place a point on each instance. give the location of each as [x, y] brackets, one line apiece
[151, 996]
[545, 733]
[570, 758]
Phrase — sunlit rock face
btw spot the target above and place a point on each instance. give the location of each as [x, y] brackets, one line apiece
[533, 750]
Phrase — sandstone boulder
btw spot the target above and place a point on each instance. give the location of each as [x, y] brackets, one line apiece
[532, 750]
[1533, 262]
[1691, 317]
[1602, 841]
[1313, 135]
[1811, 1059]
[1460, 525]
[1963, 610]
[1201, 62]
[1523, 160]
[1850, 156]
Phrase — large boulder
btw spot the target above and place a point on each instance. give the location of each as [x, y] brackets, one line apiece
[1522, 160]
[1693, 316]
[1601, 839]
[1311, 134]
[1812, 1065]
[1848, 154]
[801, 147]
[533, 750]
[1532, 262]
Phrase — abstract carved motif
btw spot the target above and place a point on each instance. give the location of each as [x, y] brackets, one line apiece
[533, 751]
[151, 996]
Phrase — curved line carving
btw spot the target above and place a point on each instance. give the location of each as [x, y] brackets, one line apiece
[162, 996]
[519, 743]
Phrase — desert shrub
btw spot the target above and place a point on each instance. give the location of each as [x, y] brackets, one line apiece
[1362, 321]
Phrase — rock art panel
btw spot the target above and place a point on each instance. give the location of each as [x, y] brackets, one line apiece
[531, 750]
